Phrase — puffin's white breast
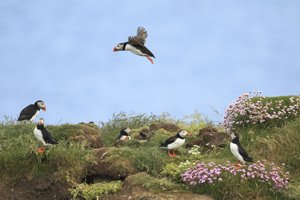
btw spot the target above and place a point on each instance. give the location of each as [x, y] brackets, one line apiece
[235, 151]
[125, 137]
[134, 50]
[33, 117]
[177, 143]
[39, 135]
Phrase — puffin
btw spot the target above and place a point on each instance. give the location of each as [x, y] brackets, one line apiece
[136, 44]
[43, 135]
[124, 134]
[174, 142]
[32, 110]
[238, 151]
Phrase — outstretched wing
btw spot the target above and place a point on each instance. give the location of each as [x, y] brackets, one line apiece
[140, 36]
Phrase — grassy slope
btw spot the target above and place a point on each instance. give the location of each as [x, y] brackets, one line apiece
[19, 160]
[278, 145]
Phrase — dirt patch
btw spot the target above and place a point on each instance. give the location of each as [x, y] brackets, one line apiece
[45, 188]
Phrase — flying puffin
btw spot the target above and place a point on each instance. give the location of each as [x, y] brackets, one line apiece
[136, 44]
[31, 111]
[238, 151]
[174, 142]
[124, 134]
[43, 135]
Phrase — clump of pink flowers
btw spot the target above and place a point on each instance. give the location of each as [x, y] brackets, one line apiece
[253, 109]
[260, 171]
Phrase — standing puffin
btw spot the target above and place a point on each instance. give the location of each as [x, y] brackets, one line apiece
[174, 142]
[43, 135]
[31, 111]
[136, 44]
[124, 134]
[238, 151]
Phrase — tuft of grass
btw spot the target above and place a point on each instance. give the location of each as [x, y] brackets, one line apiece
[94, 191]
[67, 131]
[149, 159]
[193, 123]
[112, 128]
[174, 170]
[278, 145]
[72, 158]
[281, 145]
[155, 184]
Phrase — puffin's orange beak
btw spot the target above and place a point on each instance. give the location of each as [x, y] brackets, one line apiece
[189, 134]
[114, 49]
[44, 108]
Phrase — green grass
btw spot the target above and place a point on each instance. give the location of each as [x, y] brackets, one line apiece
[111, 129]
[94, 191]
[148, 156]
[276, 141]
[136, 122]
[155, 184]
[19, 160]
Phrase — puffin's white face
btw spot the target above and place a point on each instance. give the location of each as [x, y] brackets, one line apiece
[127, 130]
[232, 135]
[41, 121]
[41, 105]
[119, 47]
[184, 133]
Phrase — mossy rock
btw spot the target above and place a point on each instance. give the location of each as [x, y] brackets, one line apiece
[170, 127]
[148, 133]
[209, 138]
[144, 134]
[107, 167]
[87, 133]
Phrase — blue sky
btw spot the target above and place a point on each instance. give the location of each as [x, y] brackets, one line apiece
[208, 52]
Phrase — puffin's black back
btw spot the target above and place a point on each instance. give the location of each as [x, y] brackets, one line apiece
[122, 132]
[28, 112]
[170, 140]
[242, 151]
[46, 135]
[142, 48]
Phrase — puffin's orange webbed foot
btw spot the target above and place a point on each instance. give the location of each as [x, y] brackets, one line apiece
[40, 150]
[238, 165]
[150, 59]
[171, 155]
